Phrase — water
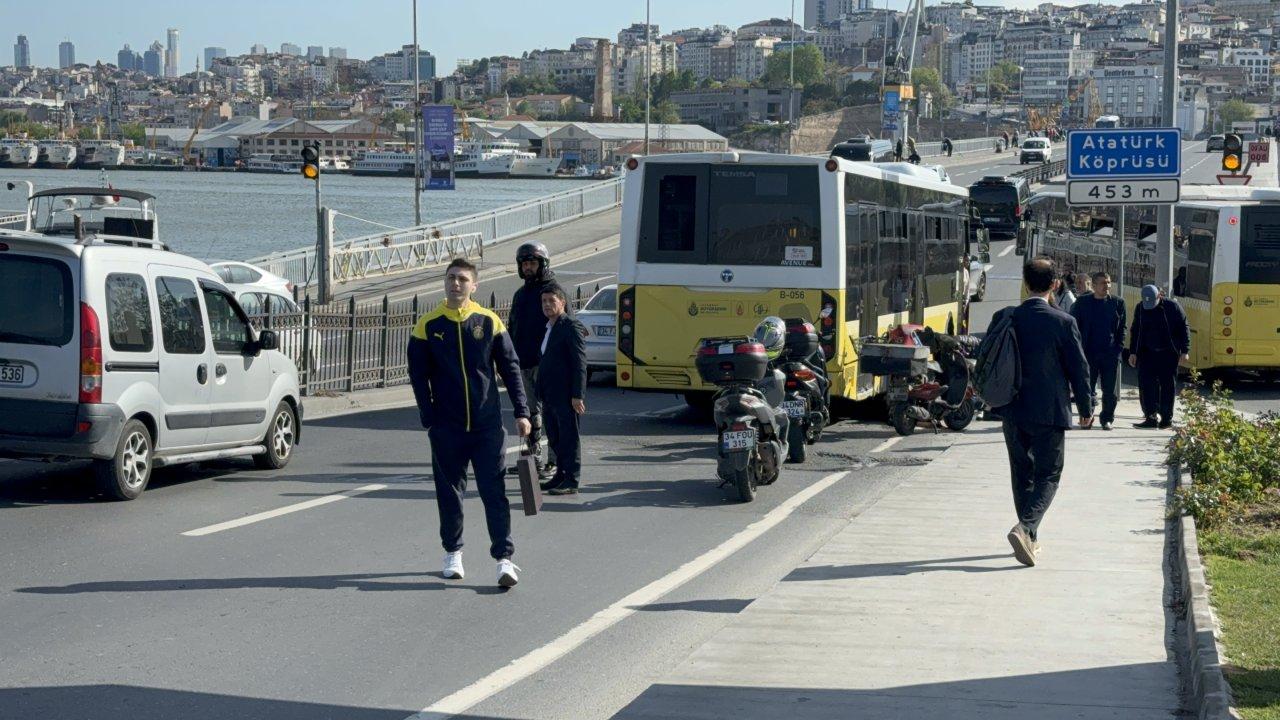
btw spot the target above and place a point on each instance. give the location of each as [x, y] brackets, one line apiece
[237, 216]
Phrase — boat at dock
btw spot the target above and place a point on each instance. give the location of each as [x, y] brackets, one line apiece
[268, 163]
[499, 159]
[386, 163]
[59, 154]
[18, 153]
[99, 154]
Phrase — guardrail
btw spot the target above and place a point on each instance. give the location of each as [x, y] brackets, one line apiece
[1043, 172]
[13, 221]
[392, 257]
[492, 226]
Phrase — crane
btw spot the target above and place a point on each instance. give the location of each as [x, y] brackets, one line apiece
[902, 76]
[186, 149]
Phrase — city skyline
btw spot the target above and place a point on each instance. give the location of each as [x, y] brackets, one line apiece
[98, 33]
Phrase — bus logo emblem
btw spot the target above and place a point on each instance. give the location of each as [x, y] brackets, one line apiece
[726, 275]
[693, 309]
[1248, 302]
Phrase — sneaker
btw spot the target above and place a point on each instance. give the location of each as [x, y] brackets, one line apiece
[453, 566]
[551, 484]
[1035, 548]
[1147, 424]
[1022, 546]
[1106, 425]
[563, 490]
[507, 573]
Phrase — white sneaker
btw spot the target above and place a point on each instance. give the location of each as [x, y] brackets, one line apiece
[507, 573]
[453, 566]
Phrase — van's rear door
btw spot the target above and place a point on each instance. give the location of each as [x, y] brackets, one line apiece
[39, 339]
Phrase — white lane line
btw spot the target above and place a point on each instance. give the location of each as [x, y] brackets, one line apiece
[522, 667]
[286, 510]
[886, 444]
[1006, 251]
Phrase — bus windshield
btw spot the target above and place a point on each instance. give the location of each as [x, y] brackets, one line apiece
[1260, 246]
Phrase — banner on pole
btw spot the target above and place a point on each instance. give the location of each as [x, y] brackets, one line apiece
[436, 149]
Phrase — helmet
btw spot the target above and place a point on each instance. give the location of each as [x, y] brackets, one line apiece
[772, 334]
[533, 251]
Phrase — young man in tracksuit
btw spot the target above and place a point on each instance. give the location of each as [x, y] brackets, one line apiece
[528, 326]
[453, 351]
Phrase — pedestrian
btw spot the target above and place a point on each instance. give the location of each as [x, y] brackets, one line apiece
[453, 351]
[1015, 138]
[562, 388]
[533, 265]
[1101, 319]
[897, 151]
[1004, 135]
[914, 157]
[1063, 297]
[1081, 286]
[1158, 337]
[1052, 366]
[947, 146]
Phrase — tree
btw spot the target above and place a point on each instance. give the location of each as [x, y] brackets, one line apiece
[925, 79]
[522, 85]
[670, 82]
[630, 110]
[86, 132]
[1002, 76]
[665, 112]
[1233, 111]
[861, 92]
[809, 67]
[135, 132]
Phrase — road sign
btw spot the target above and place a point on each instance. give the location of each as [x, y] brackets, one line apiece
[891, 102]
[1259, 152]
[1234, 179]
[1117, 153]
[890, 125]
[1141, 191]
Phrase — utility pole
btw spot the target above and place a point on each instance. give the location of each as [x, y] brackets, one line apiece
[417, 123]
[648, 77]
[884, 61]
[1164, 217]
[791, 87]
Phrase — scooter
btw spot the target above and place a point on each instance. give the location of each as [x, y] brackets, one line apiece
[803, 368]
[751, 427]
[945, 394]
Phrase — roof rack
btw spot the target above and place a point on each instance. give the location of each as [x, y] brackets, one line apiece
[123, 241]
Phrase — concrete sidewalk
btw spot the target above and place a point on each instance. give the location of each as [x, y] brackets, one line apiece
[917, 608]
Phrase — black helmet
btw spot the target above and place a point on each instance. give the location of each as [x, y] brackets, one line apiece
[532, 251]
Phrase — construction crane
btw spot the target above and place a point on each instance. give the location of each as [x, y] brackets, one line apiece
[904, 64]
[186, 149]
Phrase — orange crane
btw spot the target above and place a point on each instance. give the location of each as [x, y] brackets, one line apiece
[186, 149]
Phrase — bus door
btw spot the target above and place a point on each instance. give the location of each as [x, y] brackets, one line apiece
[1257, 324]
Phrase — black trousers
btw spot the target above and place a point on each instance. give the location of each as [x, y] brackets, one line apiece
[1105, 369]
[1036, 455]
[564, 436]
[452, 449]
[1157, 383]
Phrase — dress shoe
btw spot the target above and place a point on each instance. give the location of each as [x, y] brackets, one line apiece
[1148, 424]
[1165, 424]
[551, 484]
[563, 490]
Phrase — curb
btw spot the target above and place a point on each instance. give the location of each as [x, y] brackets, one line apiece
[1210, 692]
[320, 407]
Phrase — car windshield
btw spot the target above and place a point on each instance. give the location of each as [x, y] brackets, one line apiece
[606, 300]
[1035, 143]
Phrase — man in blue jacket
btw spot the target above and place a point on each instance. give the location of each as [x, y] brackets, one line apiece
[1101, 320]
[453, 351]
[1158, 338]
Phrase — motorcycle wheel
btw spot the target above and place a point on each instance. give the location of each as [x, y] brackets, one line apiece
[797, 450]
[902, 420]
[960, 418]
[745, 482]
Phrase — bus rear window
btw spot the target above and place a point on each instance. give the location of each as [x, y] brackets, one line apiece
[1260, 246]
[994, 195]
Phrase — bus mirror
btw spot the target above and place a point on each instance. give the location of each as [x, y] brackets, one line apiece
[984, 257]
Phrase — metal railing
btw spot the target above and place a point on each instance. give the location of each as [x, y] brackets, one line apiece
[492, 226]
[12, 221]
[395, 256]
[1043, 172]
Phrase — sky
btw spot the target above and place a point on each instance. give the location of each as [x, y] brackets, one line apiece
[449, 30]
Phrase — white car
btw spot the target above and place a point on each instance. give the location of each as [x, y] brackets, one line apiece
[132, 356]
[977, 279]
[1035, 150]
[241, 273]
[286, 318]
[600, 316]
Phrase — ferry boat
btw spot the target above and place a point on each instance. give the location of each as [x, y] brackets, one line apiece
[98, 154]
[499, 159]
[334, 165]
[268, 163]
[18, 153]
[59, 154]
[391, 163]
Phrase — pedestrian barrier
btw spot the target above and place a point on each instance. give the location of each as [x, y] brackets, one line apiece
[1043, 172]
[13, 221]
[393, 258]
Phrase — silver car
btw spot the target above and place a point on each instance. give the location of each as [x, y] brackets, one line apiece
[600, 317]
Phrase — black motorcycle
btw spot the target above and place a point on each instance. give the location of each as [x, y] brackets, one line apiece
[803, 366]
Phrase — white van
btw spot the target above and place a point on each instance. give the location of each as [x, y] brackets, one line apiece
[114, 349]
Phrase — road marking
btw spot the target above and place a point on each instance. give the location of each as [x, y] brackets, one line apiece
[1006, 251]
[523, 667]
[887, 444]
[288, 509]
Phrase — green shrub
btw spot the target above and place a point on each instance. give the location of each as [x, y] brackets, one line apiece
[1232, 459]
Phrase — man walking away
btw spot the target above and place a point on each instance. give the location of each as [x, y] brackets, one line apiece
[1158, 337]
[1052, 366]
[1101, 319]
[533, 264]
[562, 388]
[452, 353]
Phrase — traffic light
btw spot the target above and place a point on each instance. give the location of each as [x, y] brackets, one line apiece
[311, 162]
[1232, 147]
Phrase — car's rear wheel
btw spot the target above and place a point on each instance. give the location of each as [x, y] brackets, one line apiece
[126, 475]
[281, 434]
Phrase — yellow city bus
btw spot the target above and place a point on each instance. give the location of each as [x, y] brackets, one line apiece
[1226, 264]
[711, 243]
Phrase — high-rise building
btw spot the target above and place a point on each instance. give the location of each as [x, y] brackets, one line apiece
[338, 53]
[153, 60]
[258, 49]
[124, 59]
[315, 52]
[211, 54]
[171, 54]
[22, 53]
[66, 54]
[290, 49]
[821, 12]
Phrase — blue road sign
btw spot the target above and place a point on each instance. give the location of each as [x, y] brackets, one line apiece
[891, 101]
[1124, 153]
[890, 125]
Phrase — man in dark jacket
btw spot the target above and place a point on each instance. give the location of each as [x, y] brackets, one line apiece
[452, 354]
[562, 388]
[1101, 320]
[1053, 368]
[1158, 338]
[533, 264]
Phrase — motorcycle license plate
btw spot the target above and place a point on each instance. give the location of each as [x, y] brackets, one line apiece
[897, 394]
[738, 440]
[794, 408]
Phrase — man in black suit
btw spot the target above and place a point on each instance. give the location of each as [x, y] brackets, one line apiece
[1053, 368]
[562, 386]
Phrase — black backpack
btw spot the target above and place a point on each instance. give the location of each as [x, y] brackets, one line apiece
[999, 367]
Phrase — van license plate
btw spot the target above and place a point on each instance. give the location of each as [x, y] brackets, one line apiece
[739, 440]
[11, 374]
[794, 408]
[606, 330]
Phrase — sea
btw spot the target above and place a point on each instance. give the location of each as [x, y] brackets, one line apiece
[237, 216]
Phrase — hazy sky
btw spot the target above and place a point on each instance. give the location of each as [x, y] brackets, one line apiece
[365, 27]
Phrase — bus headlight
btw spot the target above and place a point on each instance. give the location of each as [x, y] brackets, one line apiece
[1226, 332]
[1226, 300]
[1226, 321]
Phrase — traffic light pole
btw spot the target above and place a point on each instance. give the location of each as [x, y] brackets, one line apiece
[1164, 216]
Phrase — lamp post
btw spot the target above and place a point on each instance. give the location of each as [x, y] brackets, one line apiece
[648, 77]
[417, 123]
[791, 86]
